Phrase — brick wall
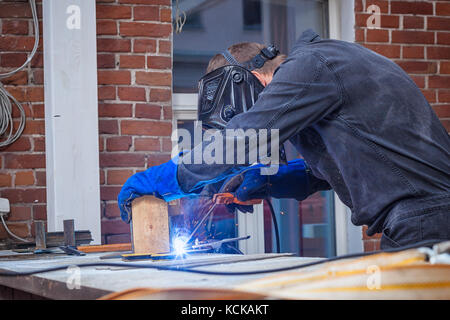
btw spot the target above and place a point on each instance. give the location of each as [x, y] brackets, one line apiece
[416, 35]
[134, 91]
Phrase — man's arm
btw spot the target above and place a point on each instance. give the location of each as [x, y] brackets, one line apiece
[303, 91]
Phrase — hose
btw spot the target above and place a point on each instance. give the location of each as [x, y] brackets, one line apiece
[6, 120]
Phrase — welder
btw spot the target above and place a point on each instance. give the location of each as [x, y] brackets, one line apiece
[362, 126]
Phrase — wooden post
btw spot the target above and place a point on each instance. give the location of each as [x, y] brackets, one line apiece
[150, 225]
[69, 232]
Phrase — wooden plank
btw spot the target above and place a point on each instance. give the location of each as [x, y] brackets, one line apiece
[106, 247]
[150, 225]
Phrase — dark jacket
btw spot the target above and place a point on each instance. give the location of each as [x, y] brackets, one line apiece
[362, 125]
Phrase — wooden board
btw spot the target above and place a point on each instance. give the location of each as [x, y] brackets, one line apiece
[106, 247]
[150, 225]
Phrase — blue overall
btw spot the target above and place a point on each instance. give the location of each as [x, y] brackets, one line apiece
[364, 127]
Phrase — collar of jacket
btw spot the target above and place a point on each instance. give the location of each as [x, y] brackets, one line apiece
[309, 36]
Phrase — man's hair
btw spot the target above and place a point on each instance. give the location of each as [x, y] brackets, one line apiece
[244, 52]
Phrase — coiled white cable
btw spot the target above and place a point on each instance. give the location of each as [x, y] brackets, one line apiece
[10, 232]
[6, 119]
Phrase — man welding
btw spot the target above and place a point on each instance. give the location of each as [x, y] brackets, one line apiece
[362, 126]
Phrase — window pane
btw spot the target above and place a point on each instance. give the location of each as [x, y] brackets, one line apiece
[212, 26]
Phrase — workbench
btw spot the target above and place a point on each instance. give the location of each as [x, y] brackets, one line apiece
[95, 282]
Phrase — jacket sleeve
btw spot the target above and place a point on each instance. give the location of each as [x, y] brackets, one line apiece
[304, 90]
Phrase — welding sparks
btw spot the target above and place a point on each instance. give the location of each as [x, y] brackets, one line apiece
[179, 245]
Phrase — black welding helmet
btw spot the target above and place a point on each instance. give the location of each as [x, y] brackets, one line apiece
[230, 90]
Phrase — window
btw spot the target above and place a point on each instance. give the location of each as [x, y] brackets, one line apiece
[305, 228]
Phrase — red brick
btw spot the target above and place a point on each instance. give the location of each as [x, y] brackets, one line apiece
[19, 213]
[118, 143]
[15, 10]
[114, 227]
[157, 159]
[34, 127]
[167, 113]
[19, 229]
[14, 27]
[146, 13]
[114, 159]
[446, 124]
[387, 50]
[418, 67]
[38, 111]
[109, 193]
[413, 52]
[382, 4]
[37, 61]
[108, 127]
[102, 177]
[430, 95]
[13, 59]
[154, 78]
[106, 61]
[5, 180]
[38, 76]
[160, 95]
[385, 20]
[131, 94]
[16, 43]
[118, 177]
[22, 144]
[157, 62]
[113, 45]
[442, 111]
[413, 37]
[146, 128]
[28, 195]
[113, 12]
[115, 110]
[24, 178]
[377, 36]
[437, 23]
[40, 178]
[438, 81]
[166, 145]
[147, 144]
[438, 52]
[359, 35]
[359, 6]
[443, 38]
[149, 111]
[24, 161]
[132, 62]
[18, 78]
[106, 27]
[165, 46]
[443, 9]
[445, 67]
[106, 93]
[144, 45]
[114, 77]
[444, 96]
[39, 212]
[412, 22]
[414, 7]
[133, 29]
[419, 81]
[111, 210]
[165, 15]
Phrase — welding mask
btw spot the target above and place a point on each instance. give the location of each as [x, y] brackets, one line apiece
[230, 90]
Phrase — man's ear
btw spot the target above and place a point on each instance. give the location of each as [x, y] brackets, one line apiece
[263, 78]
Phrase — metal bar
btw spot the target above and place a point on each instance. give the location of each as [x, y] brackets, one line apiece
[69, 232]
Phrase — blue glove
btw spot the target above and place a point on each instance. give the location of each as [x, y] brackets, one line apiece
[159, 181]
[293, 180]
